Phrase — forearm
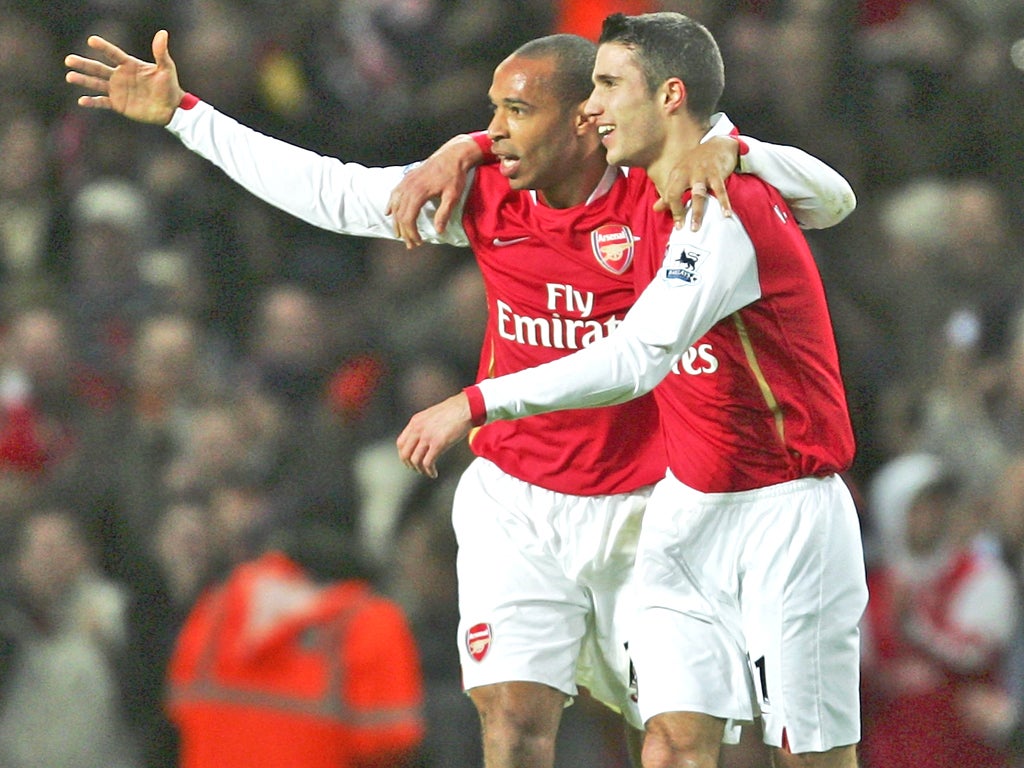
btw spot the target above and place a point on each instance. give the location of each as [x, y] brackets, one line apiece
[606, 373]
[347, 198]
[669, 316]
[612, 370]
[818, 195]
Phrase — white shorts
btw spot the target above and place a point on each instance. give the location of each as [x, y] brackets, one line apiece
[545, 590]
[750, 605]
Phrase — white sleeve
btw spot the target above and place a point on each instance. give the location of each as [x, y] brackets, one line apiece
[347, 198]
[818, 195]
[705, 276]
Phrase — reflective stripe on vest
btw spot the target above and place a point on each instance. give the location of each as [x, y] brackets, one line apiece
[206, 689]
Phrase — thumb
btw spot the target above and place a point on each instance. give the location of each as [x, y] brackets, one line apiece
[161, 55]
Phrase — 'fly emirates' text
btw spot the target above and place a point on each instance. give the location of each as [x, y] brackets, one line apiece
[557, 332]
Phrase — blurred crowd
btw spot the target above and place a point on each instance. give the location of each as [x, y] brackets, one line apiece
[185, 371]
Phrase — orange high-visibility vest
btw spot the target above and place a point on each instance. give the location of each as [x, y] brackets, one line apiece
[332, 682]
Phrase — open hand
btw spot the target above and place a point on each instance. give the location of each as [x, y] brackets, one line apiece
[148, 92]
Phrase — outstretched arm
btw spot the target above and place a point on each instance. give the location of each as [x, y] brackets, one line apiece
[148, 92]
[347, 198]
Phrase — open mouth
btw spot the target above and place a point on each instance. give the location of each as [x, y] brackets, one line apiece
[605, 130]
[509, 165]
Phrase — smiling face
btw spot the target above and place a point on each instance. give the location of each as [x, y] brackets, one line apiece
[626, 112]
[536, 136]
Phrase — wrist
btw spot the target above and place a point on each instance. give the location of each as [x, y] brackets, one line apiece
[477, 406]
[484, 142]
[165, 112]
[742, 148]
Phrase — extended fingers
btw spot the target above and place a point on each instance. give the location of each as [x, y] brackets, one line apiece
[403, 215]
[698, 204]
[722, 196]
[108, 49]
[89, 67]
[95, 102]
[410, 235]
[404, 206]
[93, 83]
[444, 212]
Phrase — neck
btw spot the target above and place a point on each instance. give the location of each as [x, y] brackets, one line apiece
[576, 187]
[683, 137]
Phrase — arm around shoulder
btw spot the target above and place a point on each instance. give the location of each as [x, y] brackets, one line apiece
[819, 196]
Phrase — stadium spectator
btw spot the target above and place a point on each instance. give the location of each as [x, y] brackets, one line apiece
[294, 660]
[63, 625]
[939, 623]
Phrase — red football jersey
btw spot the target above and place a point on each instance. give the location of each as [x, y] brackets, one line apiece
[732, 332]
[557, 280]
[758, 399]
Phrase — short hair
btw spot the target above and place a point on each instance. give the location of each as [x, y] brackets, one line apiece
[668, 44]
[574, 64]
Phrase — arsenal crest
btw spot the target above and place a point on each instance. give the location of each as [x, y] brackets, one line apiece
[478, 640]
[613, 247]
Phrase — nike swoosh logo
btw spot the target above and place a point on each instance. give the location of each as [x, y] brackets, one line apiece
[502, 243]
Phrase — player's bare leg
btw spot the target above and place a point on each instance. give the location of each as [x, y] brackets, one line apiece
[519, 722]
[682, 740]
[840, 757]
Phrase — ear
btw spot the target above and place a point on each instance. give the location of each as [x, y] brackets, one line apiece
[581, 120]
[674, 94]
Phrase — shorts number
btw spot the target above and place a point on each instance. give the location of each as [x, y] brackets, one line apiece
[633, 687]
[762, 679]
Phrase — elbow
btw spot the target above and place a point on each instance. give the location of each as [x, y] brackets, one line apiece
[848, 203]
[842, 205]
[832, 211]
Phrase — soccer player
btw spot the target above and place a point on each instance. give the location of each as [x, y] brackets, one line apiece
[750, 573]
[548, 516]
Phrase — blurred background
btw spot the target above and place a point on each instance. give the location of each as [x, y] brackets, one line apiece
[184, 369]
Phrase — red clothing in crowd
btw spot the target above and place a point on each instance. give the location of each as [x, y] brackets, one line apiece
[921, 656]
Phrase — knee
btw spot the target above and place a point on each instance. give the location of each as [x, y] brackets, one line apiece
[518, 715]
[661, 750]
[676, 743]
